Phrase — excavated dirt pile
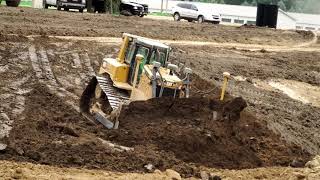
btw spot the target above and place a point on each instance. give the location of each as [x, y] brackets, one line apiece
[182, 134]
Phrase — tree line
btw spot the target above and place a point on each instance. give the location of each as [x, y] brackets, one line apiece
[301, 6]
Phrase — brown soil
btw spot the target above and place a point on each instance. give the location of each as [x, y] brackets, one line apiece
[286, 116]
[42, 79]
[29, 171]
[27, 21]
[186, 138]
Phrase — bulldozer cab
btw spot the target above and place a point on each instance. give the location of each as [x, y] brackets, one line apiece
[150, 50]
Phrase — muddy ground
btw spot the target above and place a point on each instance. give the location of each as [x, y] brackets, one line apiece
[177, 134]
[42, 79]
[295, 121]
[31, 171]
[27, 21]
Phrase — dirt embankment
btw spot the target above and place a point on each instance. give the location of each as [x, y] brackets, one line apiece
[28, 21]
[295, 121]
[178, 134]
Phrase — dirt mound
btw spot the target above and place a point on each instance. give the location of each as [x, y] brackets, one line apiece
[306, 34]
[182, 134]
[195, 134]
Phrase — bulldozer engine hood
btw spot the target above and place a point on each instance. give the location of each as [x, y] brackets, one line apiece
[169, 80]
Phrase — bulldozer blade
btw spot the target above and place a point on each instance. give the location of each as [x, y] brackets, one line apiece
[115, 99]
[104, 121]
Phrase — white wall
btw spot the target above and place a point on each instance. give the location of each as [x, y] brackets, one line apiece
[285, 22]
[37, 3]
[235, 17]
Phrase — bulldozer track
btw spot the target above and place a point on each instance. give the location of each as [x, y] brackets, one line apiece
[115, 96]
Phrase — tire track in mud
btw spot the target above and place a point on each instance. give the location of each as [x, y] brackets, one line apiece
[12, 88]
[77, 64]
[88, 65]
[45, 76]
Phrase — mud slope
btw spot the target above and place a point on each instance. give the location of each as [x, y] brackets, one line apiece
[178, 134]
[295, 121]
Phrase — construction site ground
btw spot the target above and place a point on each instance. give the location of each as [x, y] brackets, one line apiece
[47, 57]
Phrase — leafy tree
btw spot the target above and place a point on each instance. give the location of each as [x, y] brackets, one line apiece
[289, 3]
[234, 2]
[268, 1]
[113, 6]
[282, 5]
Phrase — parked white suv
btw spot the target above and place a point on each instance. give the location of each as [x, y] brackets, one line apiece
[196, 12]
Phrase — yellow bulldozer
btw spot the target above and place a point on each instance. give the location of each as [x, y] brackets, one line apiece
[140, 72]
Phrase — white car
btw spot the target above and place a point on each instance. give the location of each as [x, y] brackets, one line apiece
[66, 4]
[197, 12]
[48, 3]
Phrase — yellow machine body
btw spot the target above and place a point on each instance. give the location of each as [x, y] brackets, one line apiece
[118, 71]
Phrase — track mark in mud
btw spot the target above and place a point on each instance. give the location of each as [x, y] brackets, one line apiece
[43, 71]
[13, 89]
[13, 104]
[5, 125]
[76, 60]
[19, 105]
[34, 63]
[77, 65]
[19, 82]
[87, 63]
[46, 69]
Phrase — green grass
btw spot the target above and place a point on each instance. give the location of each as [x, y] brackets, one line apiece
[22, 3]
[26, 3]
[160, 14]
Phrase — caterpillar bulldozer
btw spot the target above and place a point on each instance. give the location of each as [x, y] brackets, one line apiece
[140, 72]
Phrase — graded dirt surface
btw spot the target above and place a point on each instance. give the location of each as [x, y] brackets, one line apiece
[42, 79]
[27, 21]
[28, 171]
